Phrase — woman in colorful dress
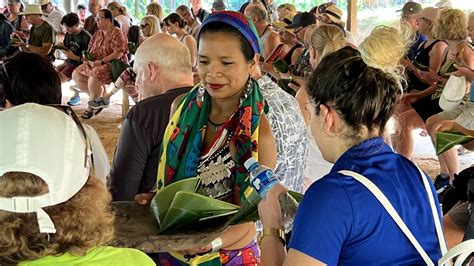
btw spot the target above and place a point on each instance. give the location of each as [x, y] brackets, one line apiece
[106, 45]
[215, 127]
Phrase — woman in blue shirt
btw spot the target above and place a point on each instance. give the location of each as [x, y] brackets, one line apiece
[339, 222]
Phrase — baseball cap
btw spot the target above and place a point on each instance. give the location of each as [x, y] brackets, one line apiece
[302, 20]
[60, 157]
[410, 8]
[430, 13]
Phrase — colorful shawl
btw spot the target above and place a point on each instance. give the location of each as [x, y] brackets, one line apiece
[182, 142]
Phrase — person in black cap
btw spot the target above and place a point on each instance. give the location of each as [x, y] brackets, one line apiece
[409, 11]
[301, 23]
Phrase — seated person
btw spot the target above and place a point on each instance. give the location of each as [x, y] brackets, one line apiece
[6, 29]
[216, 127]
[106, 45]
[43, 86]
[42, 35]
[134, 167]
[76, 41]
[331, 225]
[52, 210]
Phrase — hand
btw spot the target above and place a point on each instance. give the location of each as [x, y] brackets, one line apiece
[461, 71]
[408, 64]
[269, 208]
[69, 54]
[430, 77]
[448, 126]
[144, 198]
[266, 67]
[297, 84]
[409, 98]
[20, 34]
[197, 251]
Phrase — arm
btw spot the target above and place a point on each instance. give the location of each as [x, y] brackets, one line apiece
[192, 47]
[436, 60]
[271, 44]
[447, 126]
[296, 54]
[266, 144]
[41, 50]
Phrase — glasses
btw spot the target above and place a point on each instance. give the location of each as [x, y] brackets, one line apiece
[98, 18]
[298, 30]
[69, 112]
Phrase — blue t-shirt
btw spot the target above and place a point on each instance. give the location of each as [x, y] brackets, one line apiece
[414, 47]
[340, 222]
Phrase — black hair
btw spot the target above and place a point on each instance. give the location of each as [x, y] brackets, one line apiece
[70, 20]
[107, 14]
[362, 95]
[219, 27]
[81, 6]
[174, 18]
[21, 85]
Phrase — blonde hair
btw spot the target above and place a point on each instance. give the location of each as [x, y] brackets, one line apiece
[155, 9]
[290, 10]
[83, 222]
[384, 49]
[451, 25]
[154, 24]
[116, 5]
[326, 39]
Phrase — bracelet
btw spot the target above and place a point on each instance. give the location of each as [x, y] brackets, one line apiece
[216, 244]
[270, 231]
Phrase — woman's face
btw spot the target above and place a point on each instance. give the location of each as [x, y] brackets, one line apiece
[286, 37]
[13, 8]
[470, 28]
[102, 22]
[222, 67]
[145, 28]
[424, 26]
[172, 27]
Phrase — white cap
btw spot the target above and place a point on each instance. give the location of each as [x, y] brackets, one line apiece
[46, 142]
[453, 93]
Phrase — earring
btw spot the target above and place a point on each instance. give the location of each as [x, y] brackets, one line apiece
[247, 90]
[200, 93]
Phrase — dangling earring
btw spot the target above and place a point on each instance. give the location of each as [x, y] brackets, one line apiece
[247, 90]
[200, 93]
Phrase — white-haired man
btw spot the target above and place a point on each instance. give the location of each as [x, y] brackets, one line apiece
[163, 69]
[269, 37]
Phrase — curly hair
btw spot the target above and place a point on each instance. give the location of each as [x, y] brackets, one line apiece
[451, 25]
[84, 221]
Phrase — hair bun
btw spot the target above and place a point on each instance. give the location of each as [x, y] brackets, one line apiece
[384, 48]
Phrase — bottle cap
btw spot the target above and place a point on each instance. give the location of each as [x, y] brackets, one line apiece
[250, 161]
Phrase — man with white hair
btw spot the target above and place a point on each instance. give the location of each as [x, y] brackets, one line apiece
[269, 37]
[163, 72]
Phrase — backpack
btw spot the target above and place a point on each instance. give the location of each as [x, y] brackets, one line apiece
[462, 250]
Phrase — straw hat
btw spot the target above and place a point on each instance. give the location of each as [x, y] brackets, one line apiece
[32, 9]
[334, 14]
[281, 25]
[44, 2]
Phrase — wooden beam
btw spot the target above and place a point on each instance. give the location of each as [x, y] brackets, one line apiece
[352, 16]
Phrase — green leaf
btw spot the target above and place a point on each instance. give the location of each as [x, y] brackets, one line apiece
[447, 140]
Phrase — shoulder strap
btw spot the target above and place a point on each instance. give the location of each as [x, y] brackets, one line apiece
[392, 212]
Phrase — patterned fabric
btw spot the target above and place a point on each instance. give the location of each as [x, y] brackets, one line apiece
[291, 135]
[101, 45]
[182, 143]
[54, 18]
[247, 256]
[239, 22]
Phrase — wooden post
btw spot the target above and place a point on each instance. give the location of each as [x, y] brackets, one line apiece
[352, 16]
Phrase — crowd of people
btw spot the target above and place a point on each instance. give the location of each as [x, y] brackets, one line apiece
[212, 88]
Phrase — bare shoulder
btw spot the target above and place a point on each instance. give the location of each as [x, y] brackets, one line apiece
[175, 104]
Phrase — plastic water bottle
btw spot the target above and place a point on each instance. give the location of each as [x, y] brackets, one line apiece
[262, 180]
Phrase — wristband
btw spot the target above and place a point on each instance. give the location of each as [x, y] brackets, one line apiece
[278, 233]
[216, 245]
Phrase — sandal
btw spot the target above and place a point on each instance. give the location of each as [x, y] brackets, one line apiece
[98, 103]
[88, 114]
